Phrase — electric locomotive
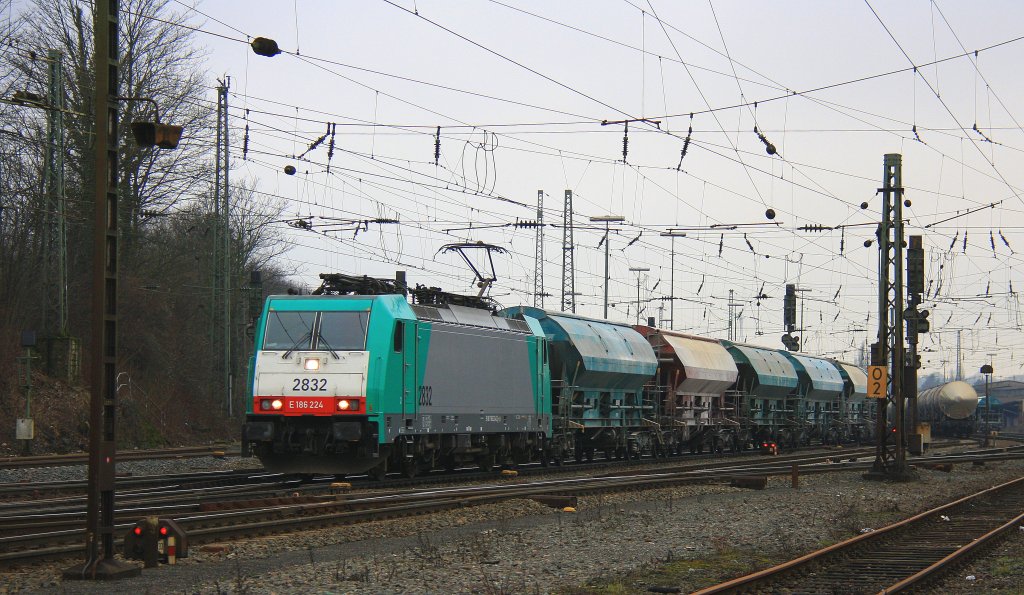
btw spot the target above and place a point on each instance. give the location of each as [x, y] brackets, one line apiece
[343, 383]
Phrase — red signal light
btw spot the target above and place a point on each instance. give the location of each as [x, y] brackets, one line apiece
[137, 530]
[163, 530]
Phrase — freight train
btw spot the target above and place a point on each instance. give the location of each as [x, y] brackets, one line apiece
[358, 378]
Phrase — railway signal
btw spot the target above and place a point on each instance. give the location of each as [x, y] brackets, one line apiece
[155, 541]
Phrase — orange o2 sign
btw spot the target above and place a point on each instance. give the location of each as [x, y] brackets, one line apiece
[878, 378]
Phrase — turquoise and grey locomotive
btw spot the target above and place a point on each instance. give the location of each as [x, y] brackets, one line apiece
[342, 383]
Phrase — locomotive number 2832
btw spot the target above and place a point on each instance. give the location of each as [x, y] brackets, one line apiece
[310, 384]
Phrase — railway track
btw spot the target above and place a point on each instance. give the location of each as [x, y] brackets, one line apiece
[270, 509]
[897, 557]
[17, 462]
[277, 509]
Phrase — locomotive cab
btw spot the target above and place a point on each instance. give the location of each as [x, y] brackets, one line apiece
[308, 385]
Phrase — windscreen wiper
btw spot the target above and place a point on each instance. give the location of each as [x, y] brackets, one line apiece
[304, 337]
[320, 339]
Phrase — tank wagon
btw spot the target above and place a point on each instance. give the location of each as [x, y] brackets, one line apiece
[950, 408]
[359, 378]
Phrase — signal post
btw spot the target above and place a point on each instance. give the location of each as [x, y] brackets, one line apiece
[889, 353]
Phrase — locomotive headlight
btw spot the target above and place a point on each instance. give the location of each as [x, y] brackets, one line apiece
[312, 363]
[277, 404]
[265, 404]
[345, 404]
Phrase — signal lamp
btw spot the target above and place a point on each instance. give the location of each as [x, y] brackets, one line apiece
[137, 530]
[148, 134]
[163, 530]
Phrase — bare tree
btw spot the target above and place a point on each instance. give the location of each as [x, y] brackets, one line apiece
[160, 61]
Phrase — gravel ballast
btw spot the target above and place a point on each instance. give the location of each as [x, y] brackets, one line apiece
[621, 542]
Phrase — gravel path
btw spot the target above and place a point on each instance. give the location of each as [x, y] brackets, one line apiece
[685, 537]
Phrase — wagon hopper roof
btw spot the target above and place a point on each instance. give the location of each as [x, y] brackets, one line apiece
[819, 379]
[708, 369]
[855, 376]
[775, 375]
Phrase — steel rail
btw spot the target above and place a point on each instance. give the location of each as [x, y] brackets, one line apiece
[370, 507]
[237, 522]
[959, 555]
[16, 462]
[847, 547]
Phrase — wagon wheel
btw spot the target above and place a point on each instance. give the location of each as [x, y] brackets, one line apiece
[485, 462]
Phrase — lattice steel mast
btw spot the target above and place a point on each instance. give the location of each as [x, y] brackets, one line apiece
[221, 292]
[568, 266]
[891, 453]
[53, 190]
[538, 257]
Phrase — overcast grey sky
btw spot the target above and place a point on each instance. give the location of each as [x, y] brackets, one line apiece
[520, 89]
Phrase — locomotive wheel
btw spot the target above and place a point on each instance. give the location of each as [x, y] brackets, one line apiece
[590, 455]
[409, 469]
[379, 472]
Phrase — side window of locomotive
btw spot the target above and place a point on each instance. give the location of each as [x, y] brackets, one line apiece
[399, 340]
[288, 330]
[343, 331]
